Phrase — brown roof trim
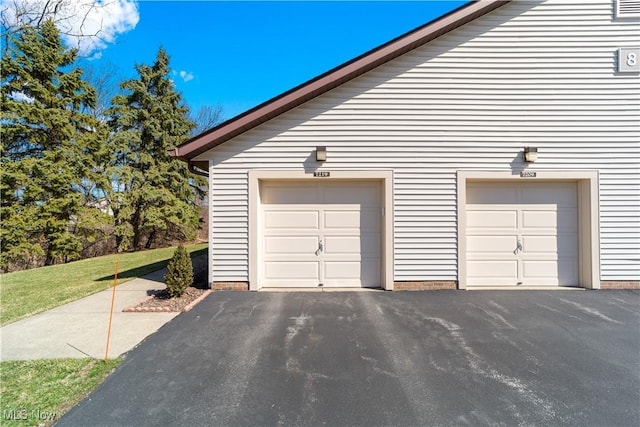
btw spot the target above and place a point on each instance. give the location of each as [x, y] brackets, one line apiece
[333, 78]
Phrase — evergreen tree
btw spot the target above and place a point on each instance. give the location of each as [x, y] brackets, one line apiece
[48, 146]
[152, 195]
[179, 272]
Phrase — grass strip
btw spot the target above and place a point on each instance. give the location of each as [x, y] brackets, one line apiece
[24, 293]
[38, 392]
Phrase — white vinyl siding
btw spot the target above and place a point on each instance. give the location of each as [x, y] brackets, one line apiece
[527, 74]
[229, 226]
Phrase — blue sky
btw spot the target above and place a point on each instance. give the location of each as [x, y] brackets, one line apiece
[239, 54]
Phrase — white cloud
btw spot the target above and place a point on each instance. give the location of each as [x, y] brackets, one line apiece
[186, 76]
[96, 55]
[89, 25]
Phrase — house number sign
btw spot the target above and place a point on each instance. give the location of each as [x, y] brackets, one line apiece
[527, 174]
[629, 60]
[322, 174]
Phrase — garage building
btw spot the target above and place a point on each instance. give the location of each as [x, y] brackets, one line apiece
[497, 146]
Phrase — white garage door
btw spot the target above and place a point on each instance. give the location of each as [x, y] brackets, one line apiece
[321, 234]
[522, 234]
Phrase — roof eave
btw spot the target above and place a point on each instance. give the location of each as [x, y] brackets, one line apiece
[333, 78]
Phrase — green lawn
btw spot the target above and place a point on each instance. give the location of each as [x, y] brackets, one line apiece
[28, 292]
[38, 392]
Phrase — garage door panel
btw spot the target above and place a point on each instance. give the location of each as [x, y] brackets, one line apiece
[568, 271]
[539, 219]
[491, 244]
[342, 245]
[492, 281]
[292, 194]
[561, 244]
[567, 244]
[371, 219]
[290, 245]
[345, 216]
[552, 219]
[361, 194]
[492, 218]
[541, 216]
[549, 273]
[366, 219]
[291, 283]
[342, 219]
[567, 220]
[365, 244]
[540, 269]
[291, 219]
[352, 273]
[335, 270]
[370, 272]
[370, 275]
[558, 194]
[371, 244]
[303, 270]
[540, 244]
[492, 273]
[491, 194]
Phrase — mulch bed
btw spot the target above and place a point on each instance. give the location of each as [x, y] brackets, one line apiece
[159, 301]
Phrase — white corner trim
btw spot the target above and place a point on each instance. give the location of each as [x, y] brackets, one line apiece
[254, 213]
[210, 277]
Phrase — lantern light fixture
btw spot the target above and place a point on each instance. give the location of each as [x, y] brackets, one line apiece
[321, 154]
[530, 154]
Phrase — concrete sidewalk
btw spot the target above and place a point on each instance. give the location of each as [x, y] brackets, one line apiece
[79, 329]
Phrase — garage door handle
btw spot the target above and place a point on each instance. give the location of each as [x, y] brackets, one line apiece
[518, 248]
[320, 247]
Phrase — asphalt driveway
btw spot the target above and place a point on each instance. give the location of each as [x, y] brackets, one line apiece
[383, 358]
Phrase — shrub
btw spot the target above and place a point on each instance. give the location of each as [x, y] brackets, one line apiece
[179, 272]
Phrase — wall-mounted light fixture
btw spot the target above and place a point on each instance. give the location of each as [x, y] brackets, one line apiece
[530, 154]
[321, 154]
